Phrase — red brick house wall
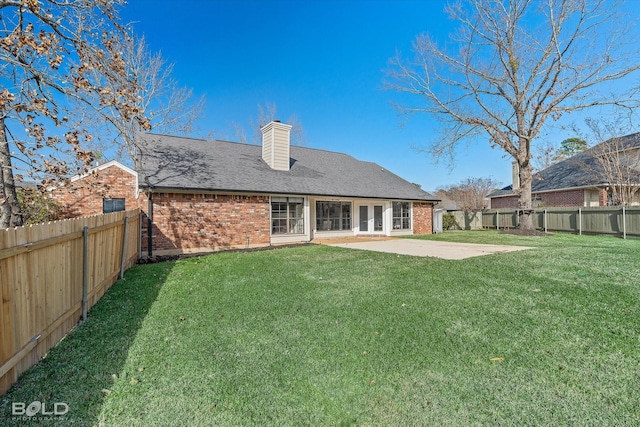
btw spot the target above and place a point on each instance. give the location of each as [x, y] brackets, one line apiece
[84, 196]
[422, 218]
[556, 199]
[504, 202]
[563, 198]
[603, 197]
[207, 221]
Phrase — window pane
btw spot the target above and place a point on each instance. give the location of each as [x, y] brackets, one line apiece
[364, 218]
[287, 215]
[377, 218]
[113, 205]
[401, 215]
[397, 209]
[333, 216]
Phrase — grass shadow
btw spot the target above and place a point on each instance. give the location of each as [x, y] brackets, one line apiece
[80, 370]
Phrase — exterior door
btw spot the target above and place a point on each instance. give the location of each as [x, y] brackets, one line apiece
[377, 218]
[364, 219]
[371, 219]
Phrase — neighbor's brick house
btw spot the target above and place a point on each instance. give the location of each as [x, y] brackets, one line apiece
[211, 195]
[106, 188]
[587, 197]
[577, 181]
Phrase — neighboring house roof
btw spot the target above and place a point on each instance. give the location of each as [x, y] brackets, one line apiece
[169, 162]
[448, 204]
[580, 171]
[19, 183]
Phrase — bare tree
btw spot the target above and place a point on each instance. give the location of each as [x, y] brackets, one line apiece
[615, 161]
[470, 194]
[546, 153]
[52, 52]
[512, 66]
[543, 155]
[266, 114]
[171, 108]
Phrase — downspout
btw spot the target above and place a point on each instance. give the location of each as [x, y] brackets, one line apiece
[150, 224]
[433, 216]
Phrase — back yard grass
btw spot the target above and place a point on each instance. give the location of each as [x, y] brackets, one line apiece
[319, 335]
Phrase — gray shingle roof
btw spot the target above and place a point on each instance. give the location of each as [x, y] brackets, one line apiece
[169, 162]
[581, 170]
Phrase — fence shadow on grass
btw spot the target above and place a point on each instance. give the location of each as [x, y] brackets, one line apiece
[80, 370]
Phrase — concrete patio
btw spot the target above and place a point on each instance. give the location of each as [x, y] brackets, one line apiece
[422, 248]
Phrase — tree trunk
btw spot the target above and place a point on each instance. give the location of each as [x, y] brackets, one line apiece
[525, 207]
[9, 208]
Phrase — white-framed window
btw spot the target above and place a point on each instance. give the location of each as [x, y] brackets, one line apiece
[536, 201]
[287, 215]
[333, 216]
[112, 205]
[401, 215]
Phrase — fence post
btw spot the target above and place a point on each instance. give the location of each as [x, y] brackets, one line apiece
[624, 223]
[544, 220]
[497, 220]
[580, 221]
[150, 225]
[124, 246]
[139, 234]
[85, 269]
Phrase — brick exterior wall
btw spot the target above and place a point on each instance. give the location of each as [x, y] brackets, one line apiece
[556, 199]
[422, 218]
[563, 198]
[188, 222]
[504, 202]
[603, 197]
[84, 196]
[207, 221]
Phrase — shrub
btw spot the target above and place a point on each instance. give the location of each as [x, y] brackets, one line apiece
[37, 208]
[448, 221]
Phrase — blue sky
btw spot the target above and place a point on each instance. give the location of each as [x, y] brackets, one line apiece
[320, 60]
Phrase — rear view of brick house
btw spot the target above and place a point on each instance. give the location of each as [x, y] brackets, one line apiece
[209, 195]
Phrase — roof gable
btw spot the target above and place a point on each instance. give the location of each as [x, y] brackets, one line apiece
[104, 166]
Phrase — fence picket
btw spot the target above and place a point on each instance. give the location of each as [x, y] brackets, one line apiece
[41, 281]
[613, 220]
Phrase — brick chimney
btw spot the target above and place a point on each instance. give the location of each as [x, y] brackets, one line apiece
[276, 139]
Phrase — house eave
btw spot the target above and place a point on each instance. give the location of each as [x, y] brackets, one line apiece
[190, 190]
[555, 190]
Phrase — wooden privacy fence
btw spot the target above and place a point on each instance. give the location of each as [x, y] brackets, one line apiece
[614, 220]
[50, 275]
[468, 220]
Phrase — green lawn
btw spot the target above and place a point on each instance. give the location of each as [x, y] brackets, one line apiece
[319, 335]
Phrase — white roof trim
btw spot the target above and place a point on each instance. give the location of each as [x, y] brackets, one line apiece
[556, 190]
[103, 166]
